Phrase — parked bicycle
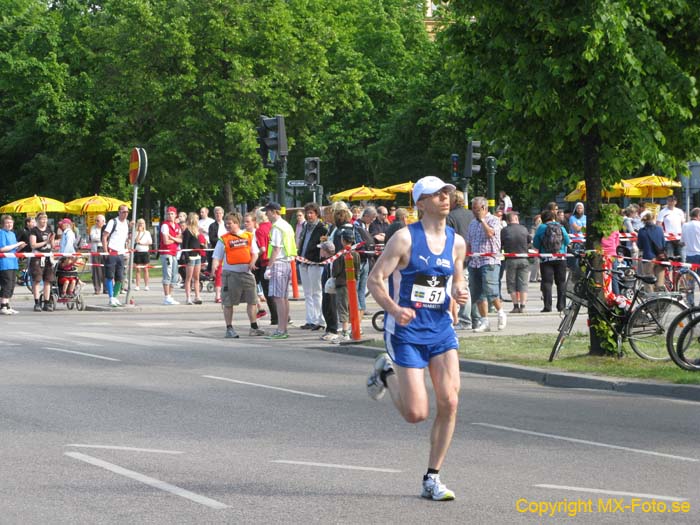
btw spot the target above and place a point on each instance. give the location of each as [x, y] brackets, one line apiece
[643, 320]
[681, 279]
[683, 339]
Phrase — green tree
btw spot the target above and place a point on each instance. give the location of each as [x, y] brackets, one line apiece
[598, 90]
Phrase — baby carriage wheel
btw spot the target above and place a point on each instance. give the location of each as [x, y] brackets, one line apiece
[80, 303]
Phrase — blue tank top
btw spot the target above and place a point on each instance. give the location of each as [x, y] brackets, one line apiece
[424, 286]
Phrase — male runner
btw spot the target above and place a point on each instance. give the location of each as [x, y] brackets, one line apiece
[424, 265]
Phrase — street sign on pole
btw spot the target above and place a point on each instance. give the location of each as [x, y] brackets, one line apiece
[297, 183]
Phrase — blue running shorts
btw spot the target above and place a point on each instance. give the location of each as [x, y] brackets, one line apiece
[411, 355]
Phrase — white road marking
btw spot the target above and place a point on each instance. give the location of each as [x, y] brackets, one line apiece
[148, 341]
[154, 323]
[131, 449]
[27, 336]
[611, 492]
[586, 442]
[147, 480]
[263, 386]
[80, 353]
[333, 465]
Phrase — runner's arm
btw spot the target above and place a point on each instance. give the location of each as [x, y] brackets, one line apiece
[460, 293]
[395, 256]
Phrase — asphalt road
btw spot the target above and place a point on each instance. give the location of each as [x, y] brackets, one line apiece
[152, 417]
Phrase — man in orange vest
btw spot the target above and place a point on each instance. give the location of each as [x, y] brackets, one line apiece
[238, 252]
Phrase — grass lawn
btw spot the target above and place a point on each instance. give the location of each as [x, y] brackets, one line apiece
[534, 349]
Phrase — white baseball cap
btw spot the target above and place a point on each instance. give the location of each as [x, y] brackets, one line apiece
[429, 185]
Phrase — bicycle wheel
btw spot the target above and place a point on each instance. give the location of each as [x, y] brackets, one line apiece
[677, 325]
[648, 325]
[565, 329]
[378, 321]
[686, 352]
[688, 282]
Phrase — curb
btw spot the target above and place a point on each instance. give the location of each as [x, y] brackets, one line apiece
[549, 378]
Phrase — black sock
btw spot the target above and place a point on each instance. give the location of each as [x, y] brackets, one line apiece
[384, 374]
[254, 325]
[4, 305]
[36, 301]
[229, 326]
[430, 471]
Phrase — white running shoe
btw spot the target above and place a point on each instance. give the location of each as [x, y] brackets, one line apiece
[375, 387]
[114, 302]
[169, 300]
[256, 332]
[145, 289]
[5, 311]
[435, 490]
[13, 311]
[502, 319]
[136, 288]
[483, 326]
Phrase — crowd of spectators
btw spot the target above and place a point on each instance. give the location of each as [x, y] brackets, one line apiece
[186, 243]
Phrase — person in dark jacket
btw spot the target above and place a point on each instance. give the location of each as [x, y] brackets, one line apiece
[216, 230]
[651, 243]
[553, 269]
[515, 239]
[309, 269]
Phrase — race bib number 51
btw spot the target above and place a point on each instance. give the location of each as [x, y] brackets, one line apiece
[429, 289]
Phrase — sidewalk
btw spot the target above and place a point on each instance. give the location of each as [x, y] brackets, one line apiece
[518, 324]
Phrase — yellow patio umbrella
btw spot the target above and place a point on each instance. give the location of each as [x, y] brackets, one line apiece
[654, 186]
[578, 194]
[94, 204]
[363, 193]
[403, 187]
[619, 189]
[34, 204]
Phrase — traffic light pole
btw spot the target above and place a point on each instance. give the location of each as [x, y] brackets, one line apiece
[282, 182]
[491, 182]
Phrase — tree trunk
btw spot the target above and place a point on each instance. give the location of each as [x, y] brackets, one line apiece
[594, 186]
[228, 197]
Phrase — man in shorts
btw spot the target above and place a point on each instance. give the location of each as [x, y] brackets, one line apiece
[281, 251]
[8, 265]
[418, 328]
[114, 240]
[239, 252]
[41, 268]
[484, 236]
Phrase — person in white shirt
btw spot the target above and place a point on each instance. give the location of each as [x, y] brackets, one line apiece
[114, 240]
[671, 219]
[505, 201]
[204, 222]
[691, 237]
[98, 271]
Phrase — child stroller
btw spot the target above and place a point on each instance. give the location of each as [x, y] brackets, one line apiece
[67, 288]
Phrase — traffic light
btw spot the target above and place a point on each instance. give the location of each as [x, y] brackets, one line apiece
[312, 170]
[455, 166]
[272, 139]
[471, 165]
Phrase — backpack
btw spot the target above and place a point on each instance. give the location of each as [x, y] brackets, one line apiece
[104, 227]
[552, 239]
